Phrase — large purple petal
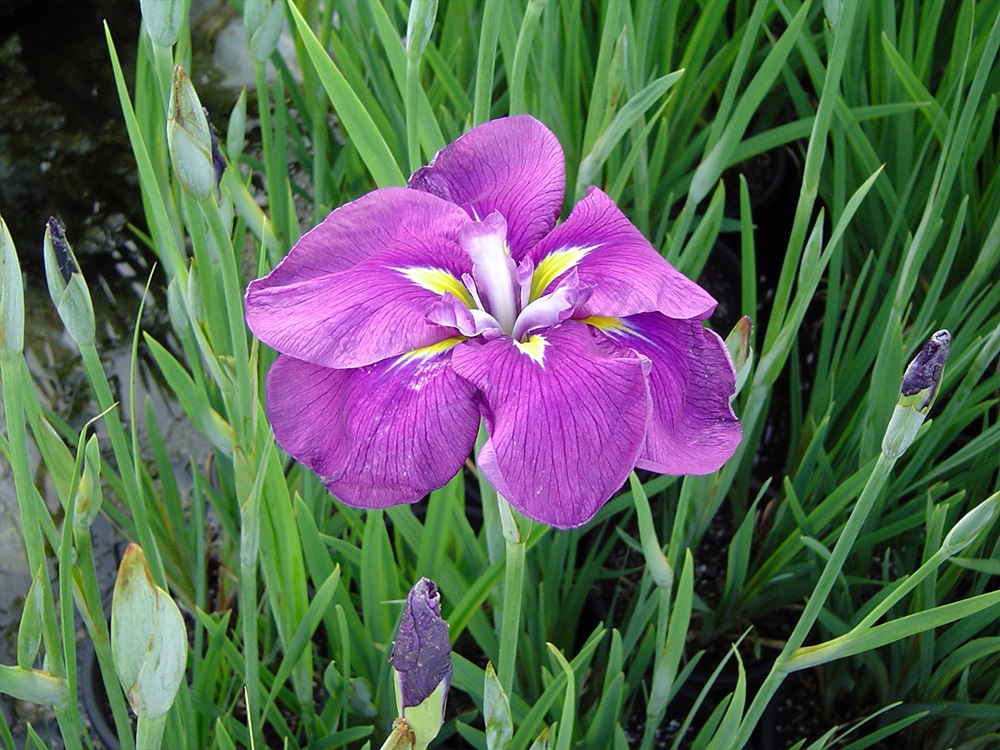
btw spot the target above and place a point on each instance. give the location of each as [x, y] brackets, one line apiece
[369, 312]
[353, 232]
[379, 435]
[566, 415]
[692, 429]
[513, 165]
[628, 276]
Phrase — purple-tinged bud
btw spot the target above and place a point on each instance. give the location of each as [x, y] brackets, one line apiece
[916, 395]
[421, 660]
[67, 287]
[923, 376]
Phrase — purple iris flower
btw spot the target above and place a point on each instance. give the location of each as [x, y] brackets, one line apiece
[411, 313]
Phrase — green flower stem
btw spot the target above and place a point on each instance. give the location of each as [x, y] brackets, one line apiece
[149, 732]
[233, 293]
[510, 622]
[28, 506]
[163, 64]
[249, 546]
[92, 609]
[827, 580]
[123, 455]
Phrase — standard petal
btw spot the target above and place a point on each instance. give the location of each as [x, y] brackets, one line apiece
[513, 165]
[372, 311]
[381, 219]
[566, 415]
[377, 436]
[692, 429]
[612, 256]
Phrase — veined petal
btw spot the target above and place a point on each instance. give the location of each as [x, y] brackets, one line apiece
[369, 312]
[382, 219]
[513, 165]
[692, 429]
[566, 415]
[612, 256]
[379, 435]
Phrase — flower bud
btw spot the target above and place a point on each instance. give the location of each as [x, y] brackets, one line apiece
[189, 138]
[89, 495]
[11, 295]
[738, 344]
[263, 21]
[916, 395]
[162, 20]
[971, 525]
[421, 661]
[496, 711]
[67, 287]
[148, 639]
[29, 631]
[236, 132]
[419, 26]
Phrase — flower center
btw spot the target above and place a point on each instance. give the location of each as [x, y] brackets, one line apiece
[500, 289]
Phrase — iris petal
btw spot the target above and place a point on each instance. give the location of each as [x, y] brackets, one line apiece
[692, 429]
[612, 256]
[379, 435]
[513, 165]
[566, 419]
[371, 311]
[355, 231]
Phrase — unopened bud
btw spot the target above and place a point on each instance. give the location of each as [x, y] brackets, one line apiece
[148, 639]
[419, 25]
[11, 295]
[421, 661]
[189, 138]
[162, 20]
[263, 21]
[29, 632]
[67, 287]
[971, 525]
[236, 132]
[496, 711]
[741, 352]
[916, 395]
[89, 495]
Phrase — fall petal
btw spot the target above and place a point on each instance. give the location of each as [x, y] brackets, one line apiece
[692, 429]
[380, 435]
[566, 415]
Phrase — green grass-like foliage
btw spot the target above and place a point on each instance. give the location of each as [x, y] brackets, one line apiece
[885, 115]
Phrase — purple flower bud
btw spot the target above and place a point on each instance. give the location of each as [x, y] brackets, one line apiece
[924, 372]
[421, 653]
